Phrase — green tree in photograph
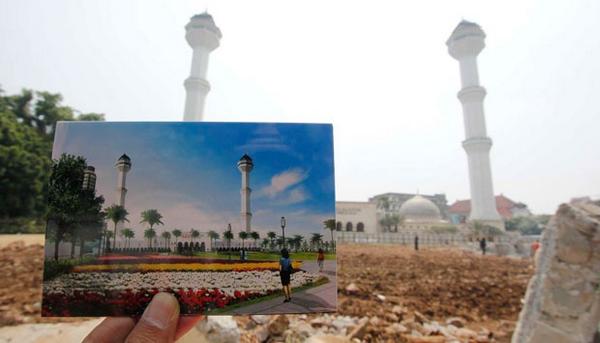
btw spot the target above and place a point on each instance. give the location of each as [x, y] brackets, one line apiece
[167, 239]
[265, 243]
[296, 241]
[228, 235]
[390, 221]
[128, 234]
[212, 235]
[330, 225]
[150, 234]
[272, 236]
[243, 236]
[176, 233]
[316, 240]
[69, 206]
[116, 214]
[195, 234]
[151, 217]
[255, 236]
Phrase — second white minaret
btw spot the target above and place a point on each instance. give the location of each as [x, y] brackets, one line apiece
[465, 44]
[203, 36]
[245, 166]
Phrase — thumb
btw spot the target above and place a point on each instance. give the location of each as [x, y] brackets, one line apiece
[159, 321]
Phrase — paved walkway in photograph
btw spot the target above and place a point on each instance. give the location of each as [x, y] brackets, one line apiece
[316, 299]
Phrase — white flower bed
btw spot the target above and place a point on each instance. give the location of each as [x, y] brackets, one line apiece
[228, 282]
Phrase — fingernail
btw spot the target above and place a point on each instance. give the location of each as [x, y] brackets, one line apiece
[161, 311]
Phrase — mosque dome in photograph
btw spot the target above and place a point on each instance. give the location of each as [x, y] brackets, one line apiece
[420, 209]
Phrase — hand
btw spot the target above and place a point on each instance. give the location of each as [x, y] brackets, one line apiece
[159, 323]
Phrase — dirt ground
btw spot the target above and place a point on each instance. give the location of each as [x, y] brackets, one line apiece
[485, 291]
[438, 283]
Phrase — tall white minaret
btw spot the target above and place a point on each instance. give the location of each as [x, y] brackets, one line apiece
[245, 166]
[123, 166]
[203, 36]
[465, 43]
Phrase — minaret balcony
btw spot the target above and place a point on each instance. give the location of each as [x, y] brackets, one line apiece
[471, 94]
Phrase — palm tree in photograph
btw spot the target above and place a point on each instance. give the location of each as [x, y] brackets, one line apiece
[228, 235]
[255, 236]
[151, 217]
[265, 243]
[176, 233]
[213, 236]
[128, 234]
[167, 238]
[272, 235]
[330, 225]
[116, 214]
[316, 240]
[195, 234]
[243, 236]
[297, 241]
[149, 234]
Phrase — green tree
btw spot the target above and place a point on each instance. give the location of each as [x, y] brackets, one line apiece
[265, 243]
[243, 236]
[389, 221]
[330, 225]
[316, 239]
[24, 169]
[69, 205]
[213, 235]
[167, 238]
[228, 235]
[272, 235]
[149, 234]
[116, 214]
[195, 234]
[176, 233]
[151, 217]
[255, 236]
[128, 234]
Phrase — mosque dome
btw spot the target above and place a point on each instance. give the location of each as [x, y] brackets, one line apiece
[420, 209]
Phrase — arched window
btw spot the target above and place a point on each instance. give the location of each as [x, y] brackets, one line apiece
[349, 226]
[360, 227]
[338, 226]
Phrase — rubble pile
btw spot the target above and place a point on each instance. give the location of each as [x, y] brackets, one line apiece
[393, 294]
[21, 285]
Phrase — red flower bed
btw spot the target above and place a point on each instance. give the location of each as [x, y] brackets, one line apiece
[133, 303]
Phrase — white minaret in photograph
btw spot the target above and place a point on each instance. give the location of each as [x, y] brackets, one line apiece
[203, 36]
[245, 166]
[123, 166]
[465, 44]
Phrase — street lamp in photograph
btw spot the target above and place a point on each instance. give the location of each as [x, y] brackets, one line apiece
[283, 222]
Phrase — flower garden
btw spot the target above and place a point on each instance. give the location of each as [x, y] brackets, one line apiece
[124, 286]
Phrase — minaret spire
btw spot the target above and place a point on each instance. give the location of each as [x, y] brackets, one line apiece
[245, 166]
[203, 35]
[465, 44]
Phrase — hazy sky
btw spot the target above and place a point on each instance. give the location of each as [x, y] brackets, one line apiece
[378, 70]
[188, 172]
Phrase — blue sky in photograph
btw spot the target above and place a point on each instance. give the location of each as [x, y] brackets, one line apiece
[188, 172]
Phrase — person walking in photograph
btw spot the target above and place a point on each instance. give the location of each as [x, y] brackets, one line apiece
[416, 243]
[285, 272]
[320, 259]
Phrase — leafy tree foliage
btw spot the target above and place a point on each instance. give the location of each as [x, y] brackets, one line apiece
[70, 207]
[27, 127]
[527, 225]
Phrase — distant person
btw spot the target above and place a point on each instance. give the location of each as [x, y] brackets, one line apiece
[417, 243]
[285, 272]
[320, 259]
[535, 246]
[483, 245]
